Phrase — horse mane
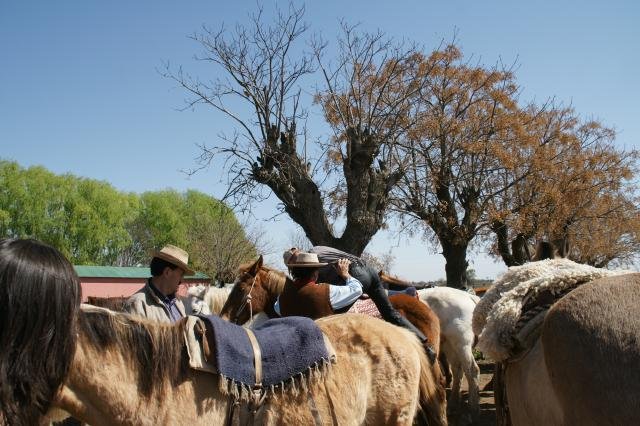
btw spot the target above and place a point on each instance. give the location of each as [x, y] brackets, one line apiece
[113, 303]
[275, 281]
[155, 350]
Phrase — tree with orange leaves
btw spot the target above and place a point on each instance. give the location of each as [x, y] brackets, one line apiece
[582, 194]
[439, 141]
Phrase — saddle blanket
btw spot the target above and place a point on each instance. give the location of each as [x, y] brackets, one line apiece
[366, 307]
[289, 346]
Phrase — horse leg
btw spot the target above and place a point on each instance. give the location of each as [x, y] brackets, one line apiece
[471, 373]
[456, 370]
[444, 365]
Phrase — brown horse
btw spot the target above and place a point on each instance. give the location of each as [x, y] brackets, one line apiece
[580, 364]
[127, 370]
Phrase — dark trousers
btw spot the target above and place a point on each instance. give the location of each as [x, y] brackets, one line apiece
[372, 286]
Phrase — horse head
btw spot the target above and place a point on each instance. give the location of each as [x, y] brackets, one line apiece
[248, 296]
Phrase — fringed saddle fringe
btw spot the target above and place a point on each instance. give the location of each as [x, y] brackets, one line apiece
[294, 386]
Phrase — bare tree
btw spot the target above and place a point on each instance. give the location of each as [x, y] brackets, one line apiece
[218, 245]
[350, 175]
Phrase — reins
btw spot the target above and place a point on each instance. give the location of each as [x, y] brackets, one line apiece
[245, 302]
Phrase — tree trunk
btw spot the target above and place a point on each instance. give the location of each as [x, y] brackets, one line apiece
[456, 266]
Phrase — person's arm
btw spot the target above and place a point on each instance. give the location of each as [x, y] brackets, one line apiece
[344, 295]
[341, 296]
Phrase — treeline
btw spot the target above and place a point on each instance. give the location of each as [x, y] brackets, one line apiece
[92, 223]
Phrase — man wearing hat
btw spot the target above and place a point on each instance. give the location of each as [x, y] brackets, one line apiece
[307, 297]
[366, 275]
[157, 300]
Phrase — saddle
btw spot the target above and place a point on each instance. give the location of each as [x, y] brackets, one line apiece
[279, 354]
[509, 316]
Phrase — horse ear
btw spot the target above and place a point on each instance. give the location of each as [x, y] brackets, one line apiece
[255, 268]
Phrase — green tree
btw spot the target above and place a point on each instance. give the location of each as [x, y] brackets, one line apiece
[83, 218]
[199, 223]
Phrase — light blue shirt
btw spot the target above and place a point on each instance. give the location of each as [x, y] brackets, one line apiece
[339, 295]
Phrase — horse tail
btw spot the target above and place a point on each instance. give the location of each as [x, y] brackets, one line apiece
[432, 402]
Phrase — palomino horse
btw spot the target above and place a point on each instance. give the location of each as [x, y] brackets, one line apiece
[127, 370]
[206, 299]
[574, 363]
[257, 288]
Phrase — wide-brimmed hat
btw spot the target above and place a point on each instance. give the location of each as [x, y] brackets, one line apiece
[305, 260]
[175, 256]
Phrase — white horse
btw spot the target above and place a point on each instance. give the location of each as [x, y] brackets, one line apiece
[205, 300]
[454, 309]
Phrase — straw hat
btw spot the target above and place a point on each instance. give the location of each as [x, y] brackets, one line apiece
[305, 260]
[175, 256]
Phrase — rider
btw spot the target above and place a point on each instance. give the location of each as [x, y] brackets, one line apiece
[306, 297]
[365, 274]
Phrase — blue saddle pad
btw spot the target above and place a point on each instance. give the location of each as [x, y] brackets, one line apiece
[289, 346]
[411, 291]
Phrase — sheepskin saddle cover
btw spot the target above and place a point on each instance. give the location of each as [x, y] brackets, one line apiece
[291, 348]
[508, 317]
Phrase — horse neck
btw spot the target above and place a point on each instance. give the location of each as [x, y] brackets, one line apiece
[272, 282]
[107, 381]
[394, 280]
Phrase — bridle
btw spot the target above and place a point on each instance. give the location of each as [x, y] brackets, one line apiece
[246, 302]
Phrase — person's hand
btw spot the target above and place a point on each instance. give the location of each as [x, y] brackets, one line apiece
[343, 268]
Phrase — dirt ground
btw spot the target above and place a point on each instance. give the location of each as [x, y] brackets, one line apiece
[487, 415]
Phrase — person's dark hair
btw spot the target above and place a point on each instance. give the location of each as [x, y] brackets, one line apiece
[157, 266]
[39, 300]
[302, 273]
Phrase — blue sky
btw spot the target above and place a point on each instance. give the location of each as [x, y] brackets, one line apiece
[80, 91]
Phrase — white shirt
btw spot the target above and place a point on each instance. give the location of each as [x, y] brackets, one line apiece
[339, 295]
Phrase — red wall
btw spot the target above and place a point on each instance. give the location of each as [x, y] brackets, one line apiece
[118, 287]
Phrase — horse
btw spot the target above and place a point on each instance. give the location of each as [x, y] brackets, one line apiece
[454, 309]
[127, 370]
[112, 303]
[206, 299]
[257, 288]
[567, 341]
